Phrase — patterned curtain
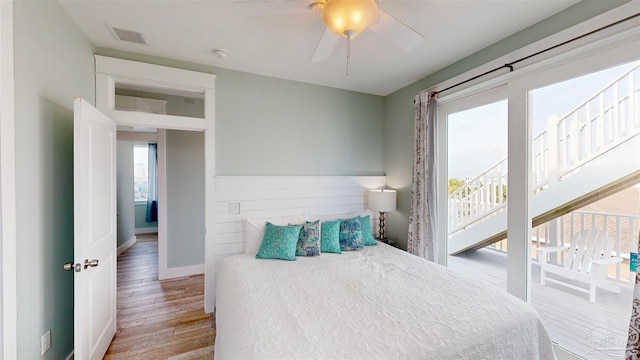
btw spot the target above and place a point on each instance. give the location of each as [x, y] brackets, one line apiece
[633, 341]
[422, 240]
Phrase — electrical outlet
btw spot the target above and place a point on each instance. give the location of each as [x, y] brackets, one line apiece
[234, 208]
[45, 342]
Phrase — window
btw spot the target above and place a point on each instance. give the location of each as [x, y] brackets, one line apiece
[140, 172]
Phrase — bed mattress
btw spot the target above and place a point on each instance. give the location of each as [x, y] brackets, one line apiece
[379, 302]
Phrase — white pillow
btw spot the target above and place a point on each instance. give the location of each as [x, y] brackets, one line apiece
[332, 217]
[254, 229]
[373, 216]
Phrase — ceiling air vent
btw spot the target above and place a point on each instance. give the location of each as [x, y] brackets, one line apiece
[127, 35]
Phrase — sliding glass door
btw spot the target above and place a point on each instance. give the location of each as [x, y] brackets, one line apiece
[586, 207]
[541, 172]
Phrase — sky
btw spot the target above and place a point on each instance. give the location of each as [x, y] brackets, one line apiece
[478, 137]
[140, 154]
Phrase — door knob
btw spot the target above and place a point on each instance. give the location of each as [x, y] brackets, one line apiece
[92, 263]
[70, 266]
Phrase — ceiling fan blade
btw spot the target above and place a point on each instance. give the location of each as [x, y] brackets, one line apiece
[396, 32]
[272, 7]
[325, 46]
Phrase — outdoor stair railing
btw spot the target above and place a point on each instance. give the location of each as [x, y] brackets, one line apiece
[478, 198]
[596, 126]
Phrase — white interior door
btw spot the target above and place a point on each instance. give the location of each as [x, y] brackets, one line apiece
[94, 160]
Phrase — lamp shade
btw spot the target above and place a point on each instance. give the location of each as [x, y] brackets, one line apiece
[382, 200]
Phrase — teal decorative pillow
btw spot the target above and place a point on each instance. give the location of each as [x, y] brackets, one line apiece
[279, 242]
[367, 234]
[309, 239]
[351, 234]
[330, 237]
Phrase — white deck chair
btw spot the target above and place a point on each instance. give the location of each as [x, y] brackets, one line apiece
[588, 259]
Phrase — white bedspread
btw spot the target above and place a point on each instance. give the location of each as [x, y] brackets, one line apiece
[379, 303]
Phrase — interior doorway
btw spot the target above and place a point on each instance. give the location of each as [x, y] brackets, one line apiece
[161, 183]
[112, 74]
[137, 196]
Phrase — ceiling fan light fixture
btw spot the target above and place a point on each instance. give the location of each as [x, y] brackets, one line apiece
[348, 18]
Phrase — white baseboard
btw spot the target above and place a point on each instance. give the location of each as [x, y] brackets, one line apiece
[70, 356]
[171, 273]
[147, 230]
[122, 248]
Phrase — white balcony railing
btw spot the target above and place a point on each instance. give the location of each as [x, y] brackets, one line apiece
[596, 126]
[622, 229]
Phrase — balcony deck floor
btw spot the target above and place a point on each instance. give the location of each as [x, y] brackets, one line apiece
[592, 331]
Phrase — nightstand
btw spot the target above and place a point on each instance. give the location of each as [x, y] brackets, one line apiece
[390, 241]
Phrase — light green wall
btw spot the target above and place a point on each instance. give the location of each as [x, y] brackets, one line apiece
[399, 111]
[126, 215]
[141, 217]
[53, 64]
[185, 200]
[269, 126]
[266, 126]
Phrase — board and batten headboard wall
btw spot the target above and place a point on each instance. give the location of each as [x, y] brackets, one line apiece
[263, 196]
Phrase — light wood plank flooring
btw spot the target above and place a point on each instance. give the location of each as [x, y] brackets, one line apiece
[158, 319]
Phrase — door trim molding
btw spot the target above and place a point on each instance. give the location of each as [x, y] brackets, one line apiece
[8, 237]
[174, 81]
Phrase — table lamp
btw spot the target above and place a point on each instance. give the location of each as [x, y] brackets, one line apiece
[382, 200]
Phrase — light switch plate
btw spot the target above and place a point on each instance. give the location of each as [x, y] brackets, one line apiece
[234, 208]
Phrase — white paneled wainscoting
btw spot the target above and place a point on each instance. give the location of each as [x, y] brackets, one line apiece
[264, 196]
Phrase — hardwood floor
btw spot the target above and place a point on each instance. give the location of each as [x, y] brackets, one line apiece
[158, 319]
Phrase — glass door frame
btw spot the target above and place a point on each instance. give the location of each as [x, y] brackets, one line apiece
[444, 110]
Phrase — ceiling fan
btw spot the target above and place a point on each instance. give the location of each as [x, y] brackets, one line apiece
[343, 18]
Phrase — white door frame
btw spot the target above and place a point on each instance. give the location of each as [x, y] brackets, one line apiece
[8, 242]
[110, 71]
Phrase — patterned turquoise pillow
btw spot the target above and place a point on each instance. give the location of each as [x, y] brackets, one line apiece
[351, 234]
[367, 234]
[279, 242]
[330, 238]
[309, 239]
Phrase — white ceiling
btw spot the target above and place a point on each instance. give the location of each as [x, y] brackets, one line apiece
[282, 45]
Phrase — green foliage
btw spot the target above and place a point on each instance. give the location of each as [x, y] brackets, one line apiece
[454, 184]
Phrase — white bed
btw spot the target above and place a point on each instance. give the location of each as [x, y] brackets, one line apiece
[379, 302]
